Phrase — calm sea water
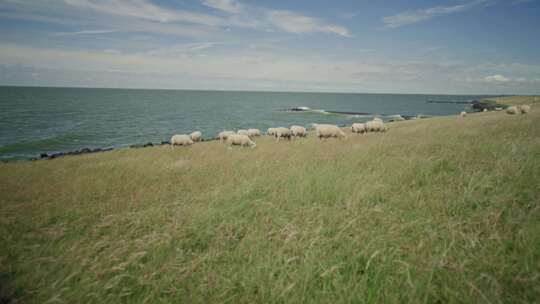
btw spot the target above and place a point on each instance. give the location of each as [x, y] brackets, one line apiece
[37, 120]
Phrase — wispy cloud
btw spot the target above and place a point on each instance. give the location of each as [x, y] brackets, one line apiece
[496, 79]
[415, 16]
[87, 32]
[299, 24]
[144, 9]
[229, 6]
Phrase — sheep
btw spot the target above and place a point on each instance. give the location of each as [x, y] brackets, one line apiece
[196, 136]
[224, 135]
[524, 109]
[463, 114]
[298, 131]
[325, 131]
[242, 132]
[254, 132]
[282, 132]
[240, 140]
[513, 110]
[376, 126]
[271, 132]
[181, 140]
[359, 128]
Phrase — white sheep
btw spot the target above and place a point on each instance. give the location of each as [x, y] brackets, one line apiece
[254, 132]
[242, 132]
[524, 109]
[224, 135]
[240, 140]
[376, 126]
[196, 136]
[359, 128]
[181, 140]
[282, 132]
[298, 131]
[326, 131]
[513, 110]
[271, 132]
[463, 114]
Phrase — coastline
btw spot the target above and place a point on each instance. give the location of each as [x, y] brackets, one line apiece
[477, 106]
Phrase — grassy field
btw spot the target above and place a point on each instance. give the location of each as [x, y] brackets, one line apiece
[441, 210]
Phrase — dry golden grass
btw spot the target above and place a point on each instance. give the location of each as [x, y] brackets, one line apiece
[435, 210]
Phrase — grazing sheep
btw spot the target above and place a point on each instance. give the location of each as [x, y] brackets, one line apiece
[359, 128]
[485, 110]
[254, 132]
[376, 126]
[224, 135]
[524, 109]
[513, 110]
[326, 131]
[463, 114]
[181, 140]
[196, 136]
[298, 131]
[242, 132]
[282, 133]
[240, 140]
[271, 132]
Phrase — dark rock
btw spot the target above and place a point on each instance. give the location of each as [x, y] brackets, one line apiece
[96, 150]
[136, 146]
[166, 142]
[107, 149]
[148, 145]
[43, 155]
[86, 150]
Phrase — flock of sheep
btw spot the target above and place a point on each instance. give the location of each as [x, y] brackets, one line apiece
[245, 138]
[521, 109]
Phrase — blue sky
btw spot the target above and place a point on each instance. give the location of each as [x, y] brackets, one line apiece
[455, 47]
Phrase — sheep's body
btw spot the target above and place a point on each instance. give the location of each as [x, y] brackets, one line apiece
[327, 131]
[271, 132]
[240, 140]
[254, 132]
[463, 114]
[513, 110]
[376, 126]
[224, 135]
[524, 109]
[196, 136]
[242, 132]
[181, 140]
[282, 132]
[298, 131]
[359, 128]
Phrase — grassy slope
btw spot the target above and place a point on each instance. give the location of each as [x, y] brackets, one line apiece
[437, 210]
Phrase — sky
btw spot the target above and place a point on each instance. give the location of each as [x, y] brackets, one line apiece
[435, 47]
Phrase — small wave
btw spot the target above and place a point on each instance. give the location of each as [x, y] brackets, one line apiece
[45, 144]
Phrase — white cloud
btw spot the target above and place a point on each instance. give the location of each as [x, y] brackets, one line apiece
[411, 17]
[229, 6]
[496, 79]
[299, 24]
[87, 32]
[144, 9]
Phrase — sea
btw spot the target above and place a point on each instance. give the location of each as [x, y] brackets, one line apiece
[35, 120]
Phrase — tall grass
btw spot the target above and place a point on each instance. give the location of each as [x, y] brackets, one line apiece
[439, 210]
